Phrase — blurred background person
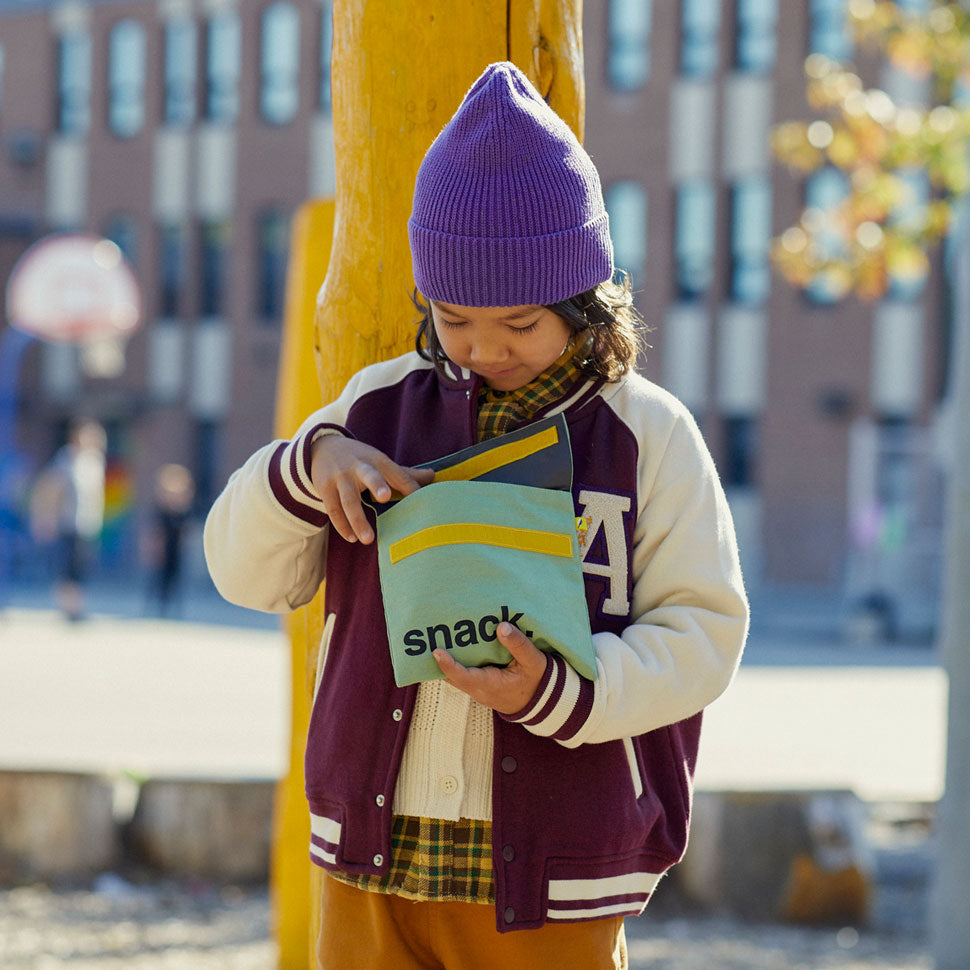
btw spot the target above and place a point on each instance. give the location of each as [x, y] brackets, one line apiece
[67, 511]
[163, 544]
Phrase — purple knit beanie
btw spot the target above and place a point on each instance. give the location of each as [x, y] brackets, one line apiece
[508, 209]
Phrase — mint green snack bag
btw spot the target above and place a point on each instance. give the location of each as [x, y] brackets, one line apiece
[458, 557]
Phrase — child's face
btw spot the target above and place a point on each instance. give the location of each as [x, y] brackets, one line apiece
[506, 346]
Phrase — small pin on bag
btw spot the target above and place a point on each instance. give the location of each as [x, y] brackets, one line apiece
[492, 539]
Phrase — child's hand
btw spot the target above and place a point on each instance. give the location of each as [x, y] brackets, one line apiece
[505, 689]
[342, 468]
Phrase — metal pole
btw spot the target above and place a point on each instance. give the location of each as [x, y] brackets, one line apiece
[951, 927]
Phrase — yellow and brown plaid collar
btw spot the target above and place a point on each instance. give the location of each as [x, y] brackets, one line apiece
[499, 411]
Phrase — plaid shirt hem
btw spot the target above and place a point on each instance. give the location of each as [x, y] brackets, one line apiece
[434, 859]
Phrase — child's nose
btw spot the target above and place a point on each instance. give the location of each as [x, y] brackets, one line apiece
[486, 352]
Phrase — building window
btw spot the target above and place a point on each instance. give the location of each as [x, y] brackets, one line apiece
[740, 451]
[223, 55]
[825, 191]
[694, 211]
[700, 28]
[628, 34]
[829, 32]
[757, 36]
[126, 78]
[626, 203]
[326, 56]
[122, 230]
[750, 241]
[171, 269]
[181, 40]
[208, 457]
[273, 246]
[279, 63]
[74, 83]
[213, 267]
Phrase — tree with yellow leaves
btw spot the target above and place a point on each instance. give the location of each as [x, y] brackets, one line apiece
[881, 232]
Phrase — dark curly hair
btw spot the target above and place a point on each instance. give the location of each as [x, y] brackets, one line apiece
[606, 311]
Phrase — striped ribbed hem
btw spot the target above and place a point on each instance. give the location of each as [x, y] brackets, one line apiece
[561, 704]
[324, 839]
[621, 895]
[289, 476]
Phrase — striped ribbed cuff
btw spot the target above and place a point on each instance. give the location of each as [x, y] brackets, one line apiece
[561, 704]
[289, 475]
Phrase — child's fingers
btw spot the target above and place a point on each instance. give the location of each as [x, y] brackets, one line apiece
[338, 521]
[523, 650]
[407, 480]
[374, 482]
[449, 666]
[353, 510]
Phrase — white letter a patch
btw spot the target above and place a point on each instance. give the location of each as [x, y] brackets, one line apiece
[604, 510]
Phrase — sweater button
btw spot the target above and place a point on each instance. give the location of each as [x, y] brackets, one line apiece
[378, 859]
[397, 714]
[508, 853]
[509, 764]
[509, 914]
[449, 784]
[379, 800]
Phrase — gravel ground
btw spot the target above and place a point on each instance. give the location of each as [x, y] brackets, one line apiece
[118, 925]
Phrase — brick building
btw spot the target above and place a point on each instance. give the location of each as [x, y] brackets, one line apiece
[189, 131]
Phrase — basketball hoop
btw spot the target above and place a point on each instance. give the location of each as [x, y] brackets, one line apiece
[75, 288]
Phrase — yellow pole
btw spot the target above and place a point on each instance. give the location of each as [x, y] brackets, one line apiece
[298, 394]
[399, 72]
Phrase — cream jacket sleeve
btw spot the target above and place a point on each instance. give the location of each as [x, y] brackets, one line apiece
[265, 537]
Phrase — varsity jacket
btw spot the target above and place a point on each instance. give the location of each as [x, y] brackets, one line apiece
[592, 781]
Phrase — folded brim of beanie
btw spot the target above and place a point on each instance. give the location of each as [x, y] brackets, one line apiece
[485, 272]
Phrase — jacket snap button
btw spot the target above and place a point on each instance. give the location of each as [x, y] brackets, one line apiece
[509, 914]
[509, 764]
[508, 853]
[379, 799]
[378, 859]
[397, 714]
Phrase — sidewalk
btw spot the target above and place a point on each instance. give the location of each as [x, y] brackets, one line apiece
[207, 696]
[119, 692]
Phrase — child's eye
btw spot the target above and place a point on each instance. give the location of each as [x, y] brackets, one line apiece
[451, 323]
[527, 329]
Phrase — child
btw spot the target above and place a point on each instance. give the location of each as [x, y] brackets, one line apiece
[68, 508]
[557, 800]
[165, 538]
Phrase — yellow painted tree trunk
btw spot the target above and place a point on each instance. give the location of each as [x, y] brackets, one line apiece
[298, 393]
[399, 72]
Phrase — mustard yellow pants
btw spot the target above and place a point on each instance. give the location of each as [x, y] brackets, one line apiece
[362, 930]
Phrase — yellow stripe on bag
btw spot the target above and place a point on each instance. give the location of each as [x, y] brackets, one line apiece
[471, 468]
[496, 457]
[457, 533]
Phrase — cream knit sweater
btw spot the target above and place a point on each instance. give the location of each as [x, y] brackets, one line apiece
[446, 771]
